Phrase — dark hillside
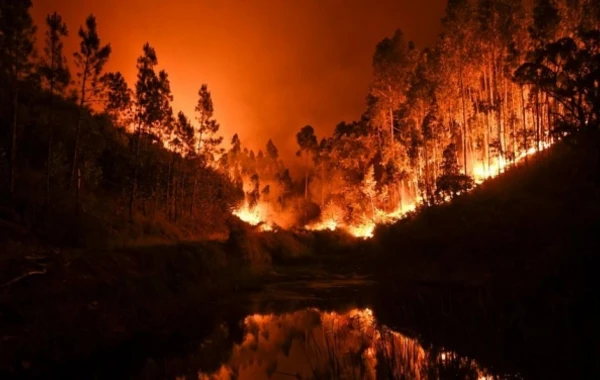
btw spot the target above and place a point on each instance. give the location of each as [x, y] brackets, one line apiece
[536, 222]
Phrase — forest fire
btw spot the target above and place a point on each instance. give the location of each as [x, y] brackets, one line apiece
[117, 173]
[332, 216]
[481, 172]
[438, 122]
[360, 231]
[365, 228]
[255, 216]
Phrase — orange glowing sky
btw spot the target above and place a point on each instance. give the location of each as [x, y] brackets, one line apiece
[272, 66]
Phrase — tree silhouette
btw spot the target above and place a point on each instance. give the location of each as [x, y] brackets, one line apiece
[119, 99]
[451, 182]
[152, 102]
[17, 41]
[55, 76]
[184, 139]
[569, 72]
[236, 145]
[272, 150]
[207, 126]
[307, 141]
[89, 60]
[254, 193]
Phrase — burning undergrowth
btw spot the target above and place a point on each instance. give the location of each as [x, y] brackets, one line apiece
[357, 211]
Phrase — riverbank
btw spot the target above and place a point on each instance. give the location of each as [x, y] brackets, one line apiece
[60, 306]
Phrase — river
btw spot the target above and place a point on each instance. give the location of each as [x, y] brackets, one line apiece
[353, 328]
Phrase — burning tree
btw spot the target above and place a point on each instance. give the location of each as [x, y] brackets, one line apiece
[451, 182]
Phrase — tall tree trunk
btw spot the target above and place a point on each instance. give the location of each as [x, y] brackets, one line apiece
[13, 140]
[193, 193]
[169, 188]
[50, 130]
[537, 120]
[155, 193]
[499, 106]
[136, 165]
[180, 203]
[401, 194]
[525, 144]
[427, 174]
[549, 115]
[477, 101]
[77, 194]
[464, 117]
[512, 116]
[306, 179]
[503, 122]
[470, 133]
[322, 185]
[49, 158]
[486, 130]
[78, 125]
[392, 129]
[435, 155]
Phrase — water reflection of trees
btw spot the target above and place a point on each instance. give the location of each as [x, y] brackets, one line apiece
[310, 344]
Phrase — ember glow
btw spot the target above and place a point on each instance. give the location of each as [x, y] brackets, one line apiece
[366, 227]
[306, 343]
[249, 215]
[481, 172]
[256, 216]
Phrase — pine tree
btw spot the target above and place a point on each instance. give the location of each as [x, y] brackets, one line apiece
[307, 141]
[272, 150]
[118, 99]
[152, 105]
[55, 76]
[183, 139]
[207, 126]
[236, 145]
[89, 60]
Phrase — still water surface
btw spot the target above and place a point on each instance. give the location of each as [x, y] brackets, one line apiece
[318, 333]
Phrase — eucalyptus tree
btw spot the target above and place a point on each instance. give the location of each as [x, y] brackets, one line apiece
[307, 141]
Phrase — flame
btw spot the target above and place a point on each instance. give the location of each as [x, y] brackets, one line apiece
[365, 229]
[332, 217]
[362, 231]
[499, 165]
[256, 215]
[250, 215]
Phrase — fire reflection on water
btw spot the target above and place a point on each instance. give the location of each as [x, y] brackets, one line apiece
[311, 344]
